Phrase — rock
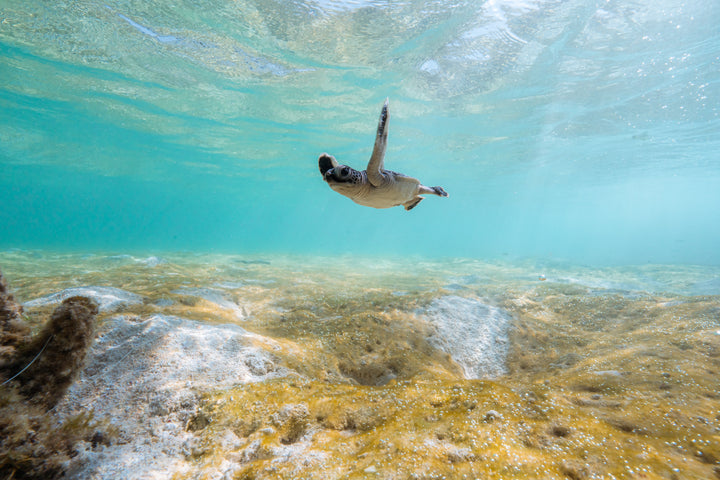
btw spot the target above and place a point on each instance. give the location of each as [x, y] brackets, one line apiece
[492, 415]
[13, 329]
[459, 455]
[192, 448]
[108, 299]
[152, 261]
[255, 451]
[574, 470]
[55, 355]
[164, 302]
[292, 420]
[230, 441]
[34, 373]
[8, 308]
[475, 335]
[216, 297]
[608, 373]
[146, 376]
[229, 470]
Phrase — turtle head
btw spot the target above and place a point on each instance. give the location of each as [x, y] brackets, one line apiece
[326, 162]
[335, 174]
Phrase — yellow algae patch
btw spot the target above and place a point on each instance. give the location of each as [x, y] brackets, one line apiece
[466, 429]
[644, 369]
[357, 341]
[599, 387]
[400, 429]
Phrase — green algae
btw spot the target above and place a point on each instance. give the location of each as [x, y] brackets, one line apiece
[602, 382]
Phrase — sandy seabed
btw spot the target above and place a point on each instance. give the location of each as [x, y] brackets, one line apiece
[239, 367]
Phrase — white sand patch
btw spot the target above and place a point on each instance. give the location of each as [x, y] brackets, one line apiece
[145, 377]
[472, 333]
[109, 299]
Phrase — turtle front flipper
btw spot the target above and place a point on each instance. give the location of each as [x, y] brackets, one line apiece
[377, 160]
[326, 162]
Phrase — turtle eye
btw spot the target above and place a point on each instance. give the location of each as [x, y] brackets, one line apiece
[345, 171]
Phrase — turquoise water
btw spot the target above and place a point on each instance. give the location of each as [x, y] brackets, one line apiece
[578, 130]
[556, 317]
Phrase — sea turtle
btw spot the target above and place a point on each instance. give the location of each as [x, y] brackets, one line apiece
[375, 187]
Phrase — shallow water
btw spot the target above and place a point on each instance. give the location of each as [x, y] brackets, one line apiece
[558, 316]
[570, 129]
[326, 367]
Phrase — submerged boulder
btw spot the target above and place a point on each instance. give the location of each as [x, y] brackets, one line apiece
[108, 299]
[474, 334]
[43, 366]
[13, 329]
[215, 297]
[51, 360]
[35, 372]
[146, 377]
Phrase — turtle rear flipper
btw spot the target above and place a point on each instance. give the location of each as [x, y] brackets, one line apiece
[413, 203]
[440, 191]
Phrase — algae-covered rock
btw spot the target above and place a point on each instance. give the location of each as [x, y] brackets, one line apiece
[35, 372]
[108, 299]
[147, 376]
[12, 328]
[42, 367]
[215, 297]
[473, 333]
[293, 422]
[52, 359]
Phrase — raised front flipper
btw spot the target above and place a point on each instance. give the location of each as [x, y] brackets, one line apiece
[377, 160]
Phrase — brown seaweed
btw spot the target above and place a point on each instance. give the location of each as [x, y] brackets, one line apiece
[35, 372]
